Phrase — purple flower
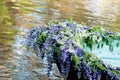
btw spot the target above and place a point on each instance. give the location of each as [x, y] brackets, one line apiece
[32, 31]
[118, 68]
[87, 70]
[64, 55]
[112, 76]
[53, 40]
[85, 28]
[98, 74]
[70, 25]
[108, 66]
[59, 36]
[45, 46]
[68, 42]
[109, 33]
[79, 51]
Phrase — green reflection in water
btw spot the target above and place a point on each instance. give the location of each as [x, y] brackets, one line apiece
[7, 32]
[6, 16]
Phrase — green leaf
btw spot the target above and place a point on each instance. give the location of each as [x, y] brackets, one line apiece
[76, 60]
[97, 29]
[99, 65]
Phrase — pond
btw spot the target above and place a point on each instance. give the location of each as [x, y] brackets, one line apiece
[19, 16]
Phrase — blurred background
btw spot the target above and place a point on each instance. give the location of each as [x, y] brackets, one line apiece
[17, 17]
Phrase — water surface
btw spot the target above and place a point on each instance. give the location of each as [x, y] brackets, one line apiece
[19, 16]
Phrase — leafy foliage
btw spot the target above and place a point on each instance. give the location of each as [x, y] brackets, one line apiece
[64, 43]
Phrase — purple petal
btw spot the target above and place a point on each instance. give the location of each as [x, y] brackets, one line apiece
[64, 55]
[118, 68]
[79, 51]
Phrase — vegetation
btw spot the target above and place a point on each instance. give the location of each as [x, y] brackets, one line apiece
[65, 43]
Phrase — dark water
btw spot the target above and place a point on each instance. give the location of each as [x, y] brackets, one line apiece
[18, 16]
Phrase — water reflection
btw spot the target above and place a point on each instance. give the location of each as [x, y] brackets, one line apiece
[6, 30]
[24, 14]
[91, 12]
[103, 13]
[7, 34]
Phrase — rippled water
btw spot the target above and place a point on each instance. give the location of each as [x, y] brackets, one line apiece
[18, 16]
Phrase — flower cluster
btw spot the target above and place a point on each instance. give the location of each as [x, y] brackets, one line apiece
[64, 42]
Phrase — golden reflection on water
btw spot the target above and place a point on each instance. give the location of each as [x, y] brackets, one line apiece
[91, 12]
